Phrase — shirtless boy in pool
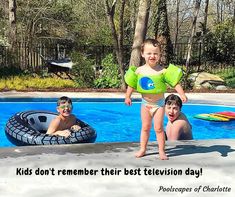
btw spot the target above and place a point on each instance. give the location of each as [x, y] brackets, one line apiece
[178, 126]
[65, 122]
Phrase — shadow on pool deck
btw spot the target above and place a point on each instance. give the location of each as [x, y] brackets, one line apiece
[193, 149]
[212, 158]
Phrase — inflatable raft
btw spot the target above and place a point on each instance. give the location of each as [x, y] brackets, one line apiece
[29, 128]
[226, 114]
[211, 117]
[218, 116]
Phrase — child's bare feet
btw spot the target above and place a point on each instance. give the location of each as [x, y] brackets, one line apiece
[140, 153]
[163, 156]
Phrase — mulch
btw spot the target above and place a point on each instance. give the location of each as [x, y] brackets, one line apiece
[114, 90]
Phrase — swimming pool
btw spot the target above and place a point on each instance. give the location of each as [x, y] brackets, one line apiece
[116, 122]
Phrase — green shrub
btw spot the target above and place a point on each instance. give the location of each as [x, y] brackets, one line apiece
[83, 70]
[220, 42]
[26, 82]
[109, 76]
[231, 82]
[228, 76]
[230, 73]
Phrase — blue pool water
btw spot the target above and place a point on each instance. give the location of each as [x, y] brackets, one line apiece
[116, 122]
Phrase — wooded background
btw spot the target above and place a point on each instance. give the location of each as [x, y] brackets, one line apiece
[189, 30]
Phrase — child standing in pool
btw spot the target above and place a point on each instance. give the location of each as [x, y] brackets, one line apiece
[150, 80]
[65, 122]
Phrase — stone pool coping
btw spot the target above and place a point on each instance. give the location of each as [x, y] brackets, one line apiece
[206, 98]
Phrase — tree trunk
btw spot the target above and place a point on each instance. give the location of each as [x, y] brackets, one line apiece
[12, 24]
[162, 32]
[193, 29]
[205, 17]
[233, 13]
[204, 31]
[120, 41]
[117, 39]
[177, 24]
[140, 32]
[133, 6]
[218, 11]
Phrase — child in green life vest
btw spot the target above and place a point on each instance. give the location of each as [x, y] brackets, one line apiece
[151, 81]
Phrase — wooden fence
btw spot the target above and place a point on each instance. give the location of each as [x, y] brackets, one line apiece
[34, 57]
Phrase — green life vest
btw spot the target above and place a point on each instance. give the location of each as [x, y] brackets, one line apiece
[153, 84]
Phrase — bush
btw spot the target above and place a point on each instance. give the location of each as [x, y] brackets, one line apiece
[228, 76]
[221, 42]
[83, 70]
[27, 82]
[109, 76]
[231, 82]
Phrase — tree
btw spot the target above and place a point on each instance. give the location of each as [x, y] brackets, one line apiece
[233, 2]
[3, 21]
[44, 18]
[132, 11]
[177, 22]
[162, 32]
[205, 17]
[193, 30]
[117, 36]
[12, 24]
[140, 31]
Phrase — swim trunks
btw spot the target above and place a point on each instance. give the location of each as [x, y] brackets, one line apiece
[153, 107]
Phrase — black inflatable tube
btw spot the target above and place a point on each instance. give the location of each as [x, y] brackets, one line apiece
[20, 132]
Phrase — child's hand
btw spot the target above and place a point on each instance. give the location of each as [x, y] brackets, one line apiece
[184, 98]
[75, 128]
[65, 133]
[128, 101]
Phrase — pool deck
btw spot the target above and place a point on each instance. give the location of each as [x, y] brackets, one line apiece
[195, 168]
[207, 98]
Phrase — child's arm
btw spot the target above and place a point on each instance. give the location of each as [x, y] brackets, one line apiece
[53, 129]
[180, 91]
[128, 95]
[131, 80]
[75, 124]
[53, 126]
[64, 133]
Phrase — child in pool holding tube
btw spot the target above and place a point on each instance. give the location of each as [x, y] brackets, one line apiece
[65, 122]
[150, 80]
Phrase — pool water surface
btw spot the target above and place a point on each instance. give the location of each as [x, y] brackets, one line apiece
[116, 122]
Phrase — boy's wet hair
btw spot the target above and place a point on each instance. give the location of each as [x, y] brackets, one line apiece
[64, 99]
[173, 99]
[154, 42]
